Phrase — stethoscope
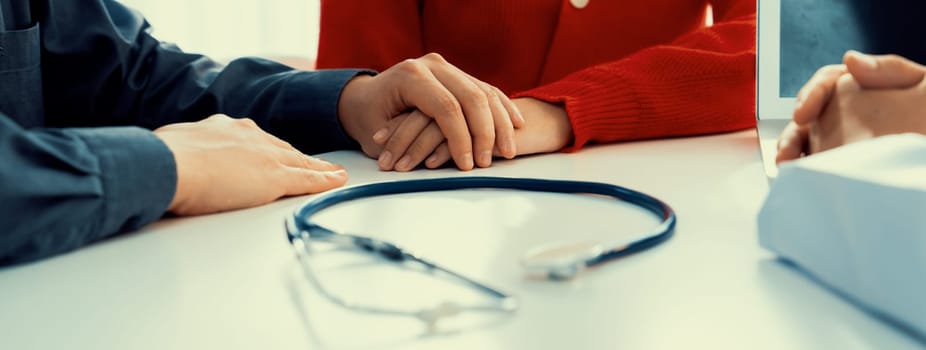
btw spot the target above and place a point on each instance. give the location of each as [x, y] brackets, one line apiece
[555, 261]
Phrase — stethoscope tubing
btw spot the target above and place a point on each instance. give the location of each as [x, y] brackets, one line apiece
[650, 203]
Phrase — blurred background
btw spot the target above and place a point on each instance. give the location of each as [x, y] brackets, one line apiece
[224, 29]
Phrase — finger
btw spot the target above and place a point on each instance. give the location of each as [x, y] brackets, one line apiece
[383, 135]
[474, 101]
[504, 129]
[296, 159]
[425, 144]
[791, 143]
[816, 93]
[314, 163]
[884, 71]
[440, 156]
[301, 181]
[428, 95]
[401, 139]
[517, 119]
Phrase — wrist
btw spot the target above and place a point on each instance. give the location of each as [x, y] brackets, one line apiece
[182, 186]
[550, 120]
[350, 105]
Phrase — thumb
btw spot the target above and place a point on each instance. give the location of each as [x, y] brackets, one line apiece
[883, 71]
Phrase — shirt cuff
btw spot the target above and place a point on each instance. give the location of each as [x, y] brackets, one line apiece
[306, 113]
[138, 175]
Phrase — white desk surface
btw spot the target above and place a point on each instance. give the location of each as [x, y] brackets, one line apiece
[229, 281]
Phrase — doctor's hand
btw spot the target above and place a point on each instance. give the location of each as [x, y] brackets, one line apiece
[870, 72]
[472, 115]
[224, 164]
[545, 128]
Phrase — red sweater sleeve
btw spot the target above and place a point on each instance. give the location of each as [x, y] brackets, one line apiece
[369, 34]
[703, 82]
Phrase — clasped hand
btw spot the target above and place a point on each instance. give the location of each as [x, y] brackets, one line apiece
[867, 96]
[440, 113]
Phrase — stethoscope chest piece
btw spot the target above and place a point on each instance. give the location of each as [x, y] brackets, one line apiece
[560, 261]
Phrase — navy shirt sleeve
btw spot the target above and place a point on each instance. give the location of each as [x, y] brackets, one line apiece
[101, 66]
[64, 188]
[93, 168]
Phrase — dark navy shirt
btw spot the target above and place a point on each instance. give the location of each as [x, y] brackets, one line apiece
[82, 83]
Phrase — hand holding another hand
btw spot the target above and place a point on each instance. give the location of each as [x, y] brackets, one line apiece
[414, 137]
[472, 115]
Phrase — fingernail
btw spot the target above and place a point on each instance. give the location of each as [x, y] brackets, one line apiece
[380, 135]
[404, 164]
[339, 173]
[432, 161]
[868, 61]
[385, 159]
[501, 148]
[486, 157]
[467, 160]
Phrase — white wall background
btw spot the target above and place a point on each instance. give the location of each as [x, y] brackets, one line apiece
[226, 29]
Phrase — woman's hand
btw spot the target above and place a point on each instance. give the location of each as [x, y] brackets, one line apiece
[409, 138]
[472, 115]
[415, 138]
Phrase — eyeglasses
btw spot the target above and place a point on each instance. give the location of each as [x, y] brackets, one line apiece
[310, 240]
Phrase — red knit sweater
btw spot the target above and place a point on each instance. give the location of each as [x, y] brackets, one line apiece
[625, 70]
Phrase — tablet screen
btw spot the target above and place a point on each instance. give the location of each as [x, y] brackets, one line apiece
[815, 33]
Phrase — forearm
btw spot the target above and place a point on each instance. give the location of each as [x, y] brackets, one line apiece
[65, 188]
[297, 106]
[116, 73]
[547, 128]
[300, 107]
[701, 83]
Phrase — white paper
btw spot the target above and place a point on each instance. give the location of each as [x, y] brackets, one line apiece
[855, 218]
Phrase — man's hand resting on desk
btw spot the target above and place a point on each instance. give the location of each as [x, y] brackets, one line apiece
[545, 128]
[470, 113]
[866, 97]
[224, 164]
